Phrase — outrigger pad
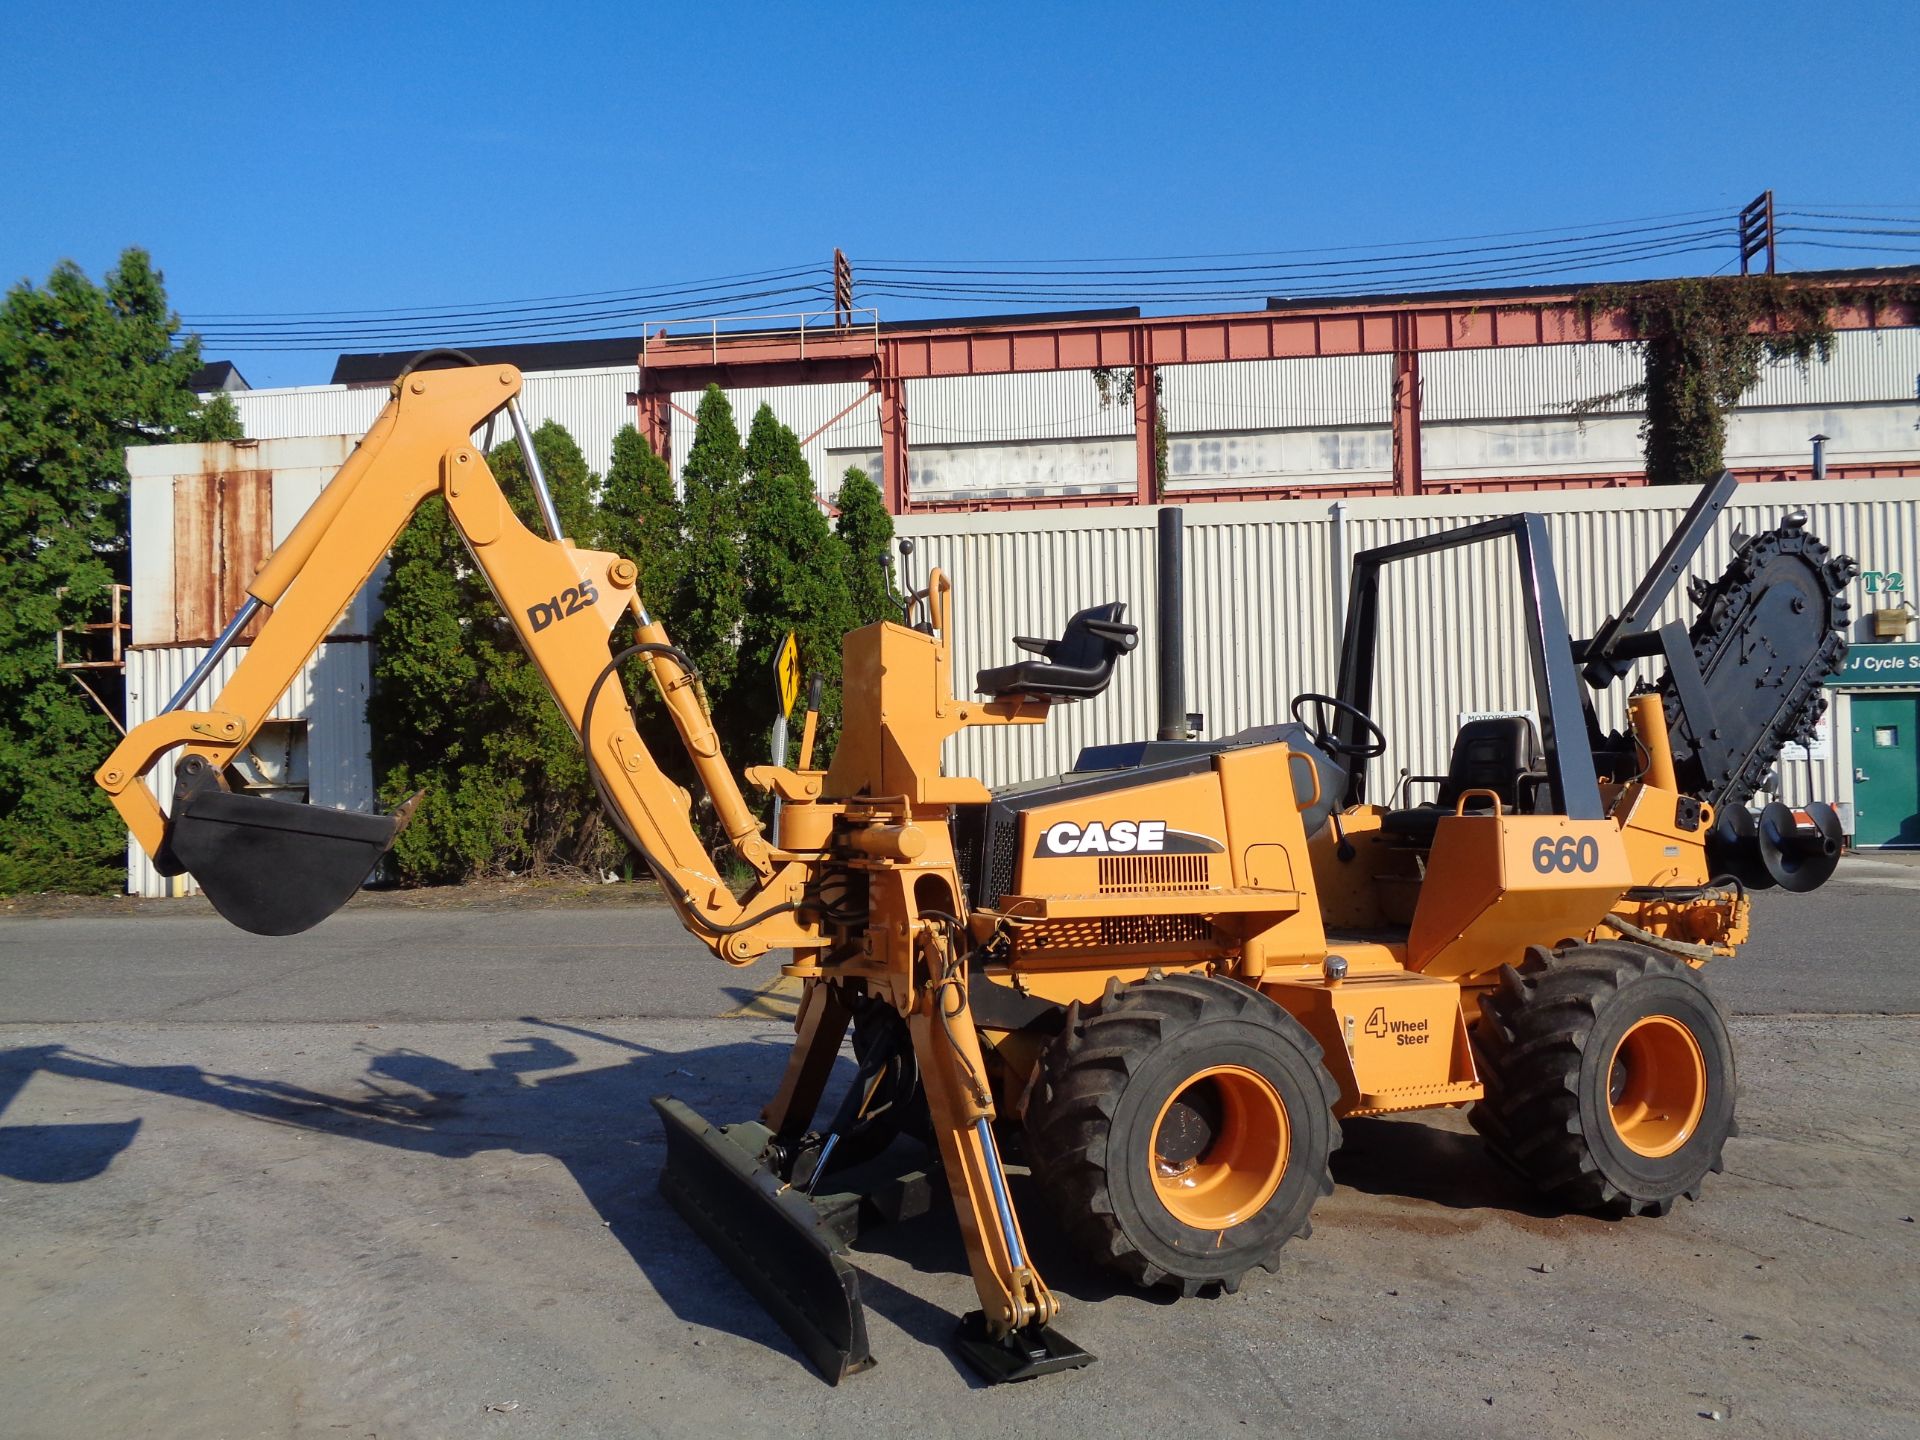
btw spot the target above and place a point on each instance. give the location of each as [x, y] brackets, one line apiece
[271, 866]
[769, 1235]
[1023, 1355]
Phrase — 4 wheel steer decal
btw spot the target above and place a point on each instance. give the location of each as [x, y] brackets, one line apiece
[570, 601]
[1123, 837]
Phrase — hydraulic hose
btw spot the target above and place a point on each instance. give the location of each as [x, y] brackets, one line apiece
[684, 901]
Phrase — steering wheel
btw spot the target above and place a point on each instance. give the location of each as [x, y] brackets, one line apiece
[1324, 734]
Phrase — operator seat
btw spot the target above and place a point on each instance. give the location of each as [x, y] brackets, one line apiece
[1501, 754]
[1077, 666]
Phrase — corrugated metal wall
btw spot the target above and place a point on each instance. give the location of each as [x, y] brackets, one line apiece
[329, 693]
[1866, 366]
[1293, 421]
[1260, 607]
[1278, 394]
[803, 409]
[592, 404]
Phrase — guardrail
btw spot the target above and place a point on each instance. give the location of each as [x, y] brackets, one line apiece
[787, 328]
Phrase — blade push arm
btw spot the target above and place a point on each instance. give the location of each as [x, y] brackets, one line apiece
[563, 602]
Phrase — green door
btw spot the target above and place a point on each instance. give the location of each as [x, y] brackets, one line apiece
[1886, 770]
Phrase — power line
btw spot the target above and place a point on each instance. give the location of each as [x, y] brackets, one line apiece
[1378, 276]
[462, 338]
[1359, 271]
[535, 303]
[1412, 266]
[278, 344]
[1317, 250]
[1539, 246]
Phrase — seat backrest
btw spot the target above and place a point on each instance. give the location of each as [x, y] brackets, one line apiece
[1495, 754]
[1077, 666]
[1078, 647]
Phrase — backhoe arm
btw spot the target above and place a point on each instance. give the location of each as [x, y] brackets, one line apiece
[563, 602]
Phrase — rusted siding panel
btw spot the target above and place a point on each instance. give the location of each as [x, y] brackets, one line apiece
[196, 558]
[205, 519]
[222, 535]
[246, 519]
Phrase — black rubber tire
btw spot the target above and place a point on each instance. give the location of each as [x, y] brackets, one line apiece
[1102, 1085]
[1546, 1042]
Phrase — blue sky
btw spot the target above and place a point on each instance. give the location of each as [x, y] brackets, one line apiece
[403, 156]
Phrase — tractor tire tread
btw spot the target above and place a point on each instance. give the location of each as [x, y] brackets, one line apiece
[1531, 1041]
[1078, 1093]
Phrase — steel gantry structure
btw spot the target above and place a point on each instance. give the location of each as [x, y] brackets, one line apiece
[886, 357]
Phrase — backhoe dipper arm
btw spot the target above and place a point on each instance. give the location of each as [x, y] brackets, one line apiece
[562, 601]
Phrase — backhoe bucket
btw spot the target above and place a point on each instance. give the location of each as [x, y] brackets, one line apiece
[270, 866]
[770, 1236]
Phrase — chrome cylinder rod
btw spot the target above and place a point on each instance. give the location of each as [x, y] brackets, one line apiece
[534, 472]
[212, 658]
[1002, 1204]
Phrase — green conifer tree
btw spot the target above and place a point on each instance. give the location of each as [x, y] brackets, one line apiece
[709, 596]
[460, 711]
[86, 370]
[866, 529]
[796, 581]
[640, 516]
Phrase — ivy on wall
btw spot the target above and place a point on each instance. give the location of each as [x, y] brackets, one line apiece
[1115, 383]
[1705, 342]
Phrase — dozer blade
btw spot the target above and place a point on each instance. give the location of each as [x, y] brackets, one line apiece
[770, 1236]
[270, 866]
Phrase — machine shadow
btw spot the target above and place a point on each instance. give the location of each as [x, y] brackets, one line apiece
[530, 1098]
[597, 1123]
[1412, 1160]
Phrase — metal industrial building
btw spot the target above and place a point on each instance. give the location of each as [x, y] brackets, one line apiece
[205, 517]
[1024, 487]
[1492, 419]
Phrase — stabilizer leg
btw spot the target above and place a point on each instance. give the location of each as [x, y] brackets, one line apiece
[1011, 1336]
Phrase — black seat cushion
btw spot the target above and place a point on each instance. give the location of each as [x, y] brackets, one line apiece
[1500, 753]
[1077, 666]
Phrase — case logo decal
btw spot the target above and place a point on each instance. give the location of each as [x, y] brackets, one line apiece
[1123, 837]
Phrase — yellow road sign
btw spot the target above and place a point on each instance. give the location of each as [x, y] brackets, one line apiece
[786, 673]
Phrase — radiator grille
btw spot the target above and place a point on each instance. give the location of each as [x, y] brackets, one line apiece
[1155, 930]
[1126, 874]
[1111, 931]
[1002, 850]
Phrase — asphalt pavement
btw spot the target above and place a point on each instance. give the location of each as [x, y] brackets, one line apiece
[1844, 949]
[397, 1177]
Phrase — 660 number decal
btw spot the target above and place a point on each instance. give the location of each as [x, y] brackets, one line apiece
[1568, 854]
[570, 601]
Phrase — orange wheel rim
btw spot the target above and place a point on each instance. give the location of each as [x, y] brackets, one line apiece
[1220, 1147]
[1656, 1086]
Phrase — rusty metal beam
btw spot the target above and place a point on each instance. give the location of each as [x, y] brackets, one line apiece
[1146, 433]
[1406, 409]
[893, 445]
[1484, 322]
[1401, 327]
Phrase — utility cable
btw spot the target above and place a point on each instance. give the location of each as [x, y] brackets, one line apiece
[1089, 267]
[537, 303]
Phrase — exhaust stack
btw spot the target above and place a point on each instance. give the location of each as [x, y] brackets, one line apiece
[1175, 723]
